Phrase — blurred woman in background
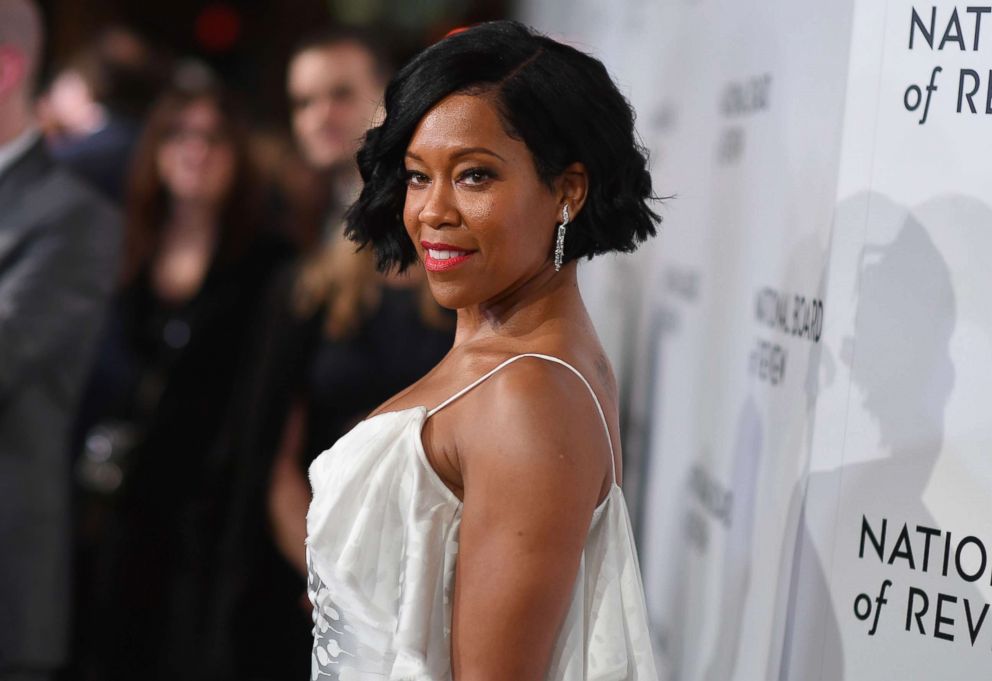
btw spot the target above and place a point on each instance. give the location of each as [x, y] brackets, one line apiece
[196, 261]
[337, 339]
[338, 336]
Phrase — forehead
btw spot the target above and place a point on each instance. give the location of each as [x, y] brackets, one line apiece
[201, 112]
[461, 120]
[320, 67]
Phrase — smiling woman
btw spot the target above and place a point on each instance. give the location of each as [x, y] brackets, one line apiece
[558, 103]
[487, 537]
[463, 168]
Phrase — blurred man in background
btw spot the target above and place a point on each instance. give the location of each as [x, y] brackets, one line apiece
[335, 83]
[58, 257]
[93, 108]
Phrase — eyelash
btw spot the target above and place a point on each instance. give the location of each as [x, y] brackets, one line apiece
[484, 173]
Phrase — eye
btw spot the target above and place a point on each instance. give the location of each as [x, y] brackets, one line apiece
[416, 179]
[474, 177]
[342, 93]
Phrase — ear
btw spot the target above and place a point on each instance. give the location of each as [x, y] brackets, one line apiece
[572, 187]
[13, 70]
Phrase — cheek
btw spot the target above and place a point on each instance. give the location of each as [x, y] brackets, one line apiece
[412, 205]
[485, 209]
[299, 123]
[413, 202]
[221, 168]
[503, 224]
[165, 162]
[307, 120]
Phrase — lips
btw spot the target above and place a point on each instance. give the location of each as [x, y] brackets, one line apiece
[440, 257]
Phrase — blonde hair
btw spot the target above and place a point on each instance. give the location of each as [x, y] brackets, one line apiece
[346, 281]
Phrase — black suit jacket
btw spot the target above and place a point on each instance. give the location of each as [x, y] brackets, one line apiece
[59, 245]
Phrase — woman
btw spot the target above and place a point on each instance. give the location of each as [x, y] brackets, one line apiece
[475, 529]
[195, 264]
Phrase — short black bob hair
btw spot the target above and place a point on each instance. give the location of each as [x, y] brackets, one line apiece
[559, 101]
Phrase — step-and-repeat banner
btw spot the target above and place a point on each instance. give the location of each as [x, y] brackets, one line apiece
[805, 352]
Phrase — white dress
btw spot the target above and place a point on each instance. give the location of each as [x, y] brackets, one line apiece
[381, 549]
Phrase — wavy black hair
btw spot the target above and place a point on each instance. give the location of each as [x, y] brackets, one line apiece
[558, 100]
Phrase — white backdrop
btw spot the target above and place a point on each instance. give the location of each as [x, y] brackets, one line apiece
[806, 351]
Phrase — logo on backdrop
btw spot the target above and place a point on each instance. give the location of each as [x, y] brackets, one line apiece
[927, 550]
[940, 31]
[738, 101]
[791, 314]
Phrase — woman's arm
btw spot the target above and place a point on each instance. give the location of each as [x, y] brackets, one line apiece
[533, 463]
[289, 491]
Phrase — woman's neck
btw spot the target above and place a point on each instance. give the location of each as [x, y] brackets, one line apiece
[185, 251]
[191, 217]
[531, 309]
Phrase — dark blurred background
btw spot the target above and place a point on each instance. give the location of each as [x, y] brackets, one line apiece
[247, 42]
[183, 327]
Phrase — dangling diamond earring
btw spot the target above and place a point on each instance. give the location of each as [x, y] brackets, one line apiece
[560, 240]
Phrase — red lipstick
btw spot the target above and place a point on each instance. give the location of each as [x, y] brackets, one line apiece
[440, 257]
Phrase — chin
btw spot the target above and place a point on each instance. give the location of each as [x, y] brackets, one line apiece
[452, 294]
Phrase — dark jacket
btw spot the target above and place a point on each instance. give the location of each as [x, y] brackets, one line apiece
[168, 369]
[59, 245]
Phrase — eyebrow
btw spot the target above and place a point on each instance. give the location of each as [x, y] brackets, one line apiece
[462, 152]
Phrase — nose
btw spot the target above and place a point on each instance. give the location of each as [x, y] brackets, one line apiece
[196, 151]
[438, 210]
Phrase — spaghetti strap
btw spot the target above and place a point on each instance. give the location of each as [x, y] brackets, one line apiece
[550, 358]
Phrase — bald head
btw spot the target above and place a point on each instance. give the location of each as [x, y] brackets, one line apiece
[20, 40]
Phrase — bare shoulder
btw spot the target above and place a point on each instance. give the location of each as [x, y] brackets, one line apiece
[535, 422]
[542, 386]
[534, 457]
